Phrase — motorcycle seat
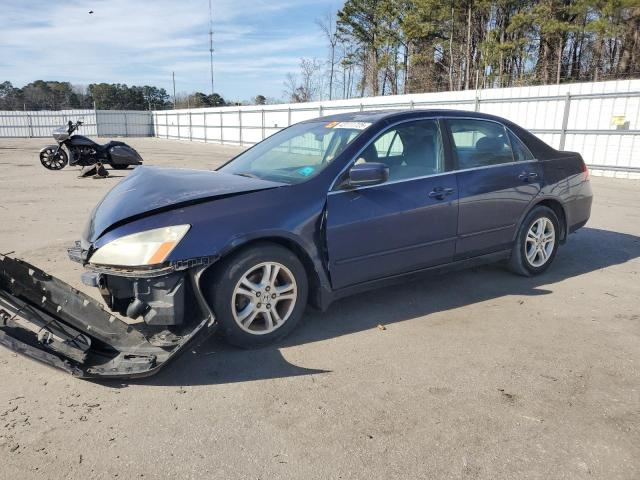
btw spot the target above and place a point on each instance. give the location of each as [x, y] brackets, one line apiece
[115, 143]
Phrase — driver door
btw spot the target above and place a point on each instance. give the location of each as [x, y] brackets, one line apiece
[404, 224]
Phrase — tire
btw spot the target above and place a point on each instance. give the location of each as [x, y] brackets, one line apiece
[120, 167]
[240, 285]
[532, 254]
[51, 162]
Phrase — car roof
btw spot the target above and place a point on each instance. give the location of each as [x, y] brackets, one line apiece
[539, 149]
[373, 116]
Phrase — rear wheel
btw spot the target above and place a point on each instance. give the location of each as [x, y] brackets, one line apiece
[537, 242]
[258, 295]
[52, 160]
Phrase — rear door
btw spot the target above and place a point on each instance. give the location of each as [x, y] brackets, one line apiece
[498, 179]
[405, 224]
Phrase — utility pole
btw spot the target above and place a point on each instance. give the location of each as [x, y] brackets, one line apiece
[174, 89]
[211, 43]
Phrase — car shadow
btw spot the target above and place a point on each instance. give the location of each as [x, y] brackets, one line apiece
[214, 362]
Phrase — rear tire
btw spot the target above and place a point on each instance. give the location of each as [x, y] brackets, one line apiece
[258, 295]
[51, 161]
[537, 242]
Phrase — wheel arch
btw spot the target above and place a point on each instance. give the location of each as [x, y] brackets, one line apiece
[557, 207]
[316, 285]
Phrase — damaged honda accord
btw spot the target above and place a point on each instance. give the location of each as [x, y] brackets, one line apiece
[322, 209]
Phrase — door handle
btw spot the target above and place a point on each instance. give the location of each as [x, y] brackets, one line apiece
[439, 193]
[526, 176]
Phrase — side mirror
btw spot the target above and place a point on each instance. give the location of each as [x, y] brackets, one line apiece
[363, 174]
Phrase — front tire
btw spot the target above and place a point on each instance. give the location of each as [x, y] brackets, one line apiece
[537, 242]
[258, 295]
[52, 161]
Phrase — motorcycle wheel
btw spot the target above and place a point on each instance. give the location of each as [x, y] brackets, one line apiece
[119, 167]
[51, 161]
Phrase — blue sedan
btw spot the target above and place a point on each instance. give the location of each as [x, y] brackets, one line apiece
[320, 210]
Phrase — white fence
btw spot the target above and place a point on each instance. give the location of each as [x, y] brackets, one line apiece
[600, 120]
[103, 123]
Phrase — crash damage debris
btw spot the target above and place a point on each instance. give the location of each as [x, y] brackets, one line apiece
[50, 321]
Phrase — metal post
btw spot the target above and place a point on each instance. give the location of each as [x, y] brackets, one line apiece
[126, 127]
[477, 104]
[412, 105]
[263, 132]
[240, 125]
[204, 117]
[190, 135]
[361, 107]
[30, 125]
[178, 124]
[221, 130]
[289, 117]
[565, 120]
[166, 124]
[320, 110]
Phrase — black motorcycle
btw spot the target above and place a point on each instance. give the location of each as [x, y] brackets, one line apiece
[84, 152]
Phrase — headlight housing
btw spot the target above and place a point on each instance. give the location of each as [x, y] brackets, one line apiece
[151, 247]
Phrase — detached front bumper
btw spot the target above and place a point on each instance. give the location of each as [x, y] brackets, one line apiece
[50, 321]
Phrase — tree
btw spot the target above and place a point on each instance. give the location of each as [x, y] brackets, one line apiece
[361, 22]
[260, 100]
[305, 89]
[10, 97]
[329, 28]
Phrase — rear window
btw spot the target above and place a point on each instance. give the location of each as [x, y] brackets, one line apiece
[520, 151]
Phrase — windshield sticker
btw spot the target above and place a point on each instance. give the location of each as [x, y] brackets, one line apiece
[331, 124]
[353, 125]
[305, 171]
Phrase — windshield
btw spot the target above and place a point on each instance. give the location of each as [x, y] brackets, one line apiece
[297, 153]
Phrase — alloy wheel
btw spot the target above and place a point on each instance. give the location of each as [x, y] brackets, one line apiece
[264, 298]
[540, 241]
[52, 161]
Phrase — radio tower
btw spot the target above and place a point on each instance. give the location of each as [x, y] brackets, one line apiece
[211, 43]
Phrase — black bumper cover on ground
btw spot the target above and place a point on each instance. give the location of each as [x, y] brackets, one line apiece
[50, 321]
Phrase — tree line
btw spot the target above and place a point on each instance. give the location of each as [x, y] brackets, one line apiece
[54, 95]
[381, 47]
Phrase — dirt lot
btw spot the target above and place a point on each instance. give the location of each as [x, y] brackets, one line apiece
[479, 374]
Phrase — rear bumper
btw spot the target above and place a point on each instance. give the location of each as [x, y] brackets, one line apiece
[48, 320]
[578, 208]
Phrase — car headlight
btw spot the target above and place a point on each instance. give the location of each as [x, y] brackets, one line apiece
[140, 249]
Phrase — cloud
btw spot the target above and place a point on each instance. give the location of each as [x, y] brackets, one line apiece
[142, 42]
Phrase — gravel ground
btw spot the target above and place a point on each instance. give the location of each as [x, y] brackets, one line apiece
[478, 374]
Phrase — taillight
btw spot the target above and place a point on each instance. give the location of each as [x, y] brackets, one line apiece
[585, 171]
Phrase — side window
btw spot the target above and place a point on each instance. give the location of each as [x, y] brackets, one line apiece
[389, 145]
[410, 150]
[520, 151]
[479, 143]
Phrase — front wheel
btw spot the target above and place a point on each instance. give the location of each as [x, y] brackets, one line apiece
[537, 242]
[258, 295]
[52, 160]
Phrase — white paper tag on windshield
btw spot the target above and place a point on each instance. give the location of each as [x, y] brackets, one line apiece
[352, 125]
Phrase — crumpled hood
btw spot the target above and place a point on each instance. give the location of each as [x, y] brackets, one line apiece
[152, 189]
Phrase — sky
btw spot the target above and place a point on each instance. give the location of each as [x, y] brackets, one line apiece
[140, 42]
